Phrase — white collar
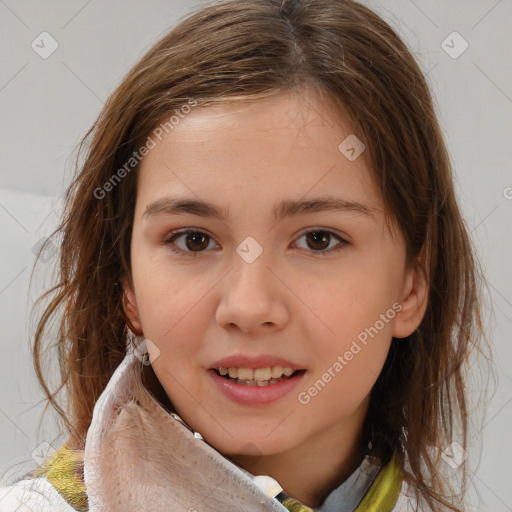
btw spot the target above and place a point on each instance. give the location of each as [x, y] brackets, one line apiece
[139, 457]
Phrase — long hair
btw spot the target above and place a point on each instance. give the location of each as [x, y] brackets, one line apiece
[236, 50]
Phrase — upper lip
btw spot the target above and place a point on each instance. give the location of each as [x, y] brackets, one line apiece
[263, 361]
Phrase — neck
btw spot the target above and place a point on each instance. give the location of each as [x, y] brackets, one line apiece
[152, 384]
[311, 471]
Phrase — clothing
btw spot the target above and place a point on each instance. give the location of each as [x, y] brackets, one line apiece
[140, 457]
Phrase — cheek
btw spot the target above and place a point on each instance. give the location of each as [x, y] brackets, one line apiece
[353, 318]
[171, 304]
[347, 367]
[348, 301]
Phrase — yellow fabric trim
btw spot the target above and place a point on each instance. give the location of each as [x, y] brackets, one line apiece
[62, 470]
[295, 506]
[381, 497]
[383, 494]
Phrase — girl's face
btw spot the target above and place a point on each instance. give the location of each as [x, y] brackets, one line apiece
[320, 288]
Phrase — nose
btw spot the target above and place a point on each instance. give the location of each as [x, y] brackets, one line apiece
[253, 298]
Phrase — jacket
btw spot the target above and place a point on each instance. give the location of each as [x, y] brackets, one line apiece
[140, 457]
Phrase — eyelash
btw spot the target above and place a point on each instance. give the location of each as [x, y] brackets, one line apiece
[175, 234]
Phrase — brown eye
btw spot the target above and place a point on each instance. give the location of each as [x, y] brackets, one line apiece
[320, 241]
[195, 242]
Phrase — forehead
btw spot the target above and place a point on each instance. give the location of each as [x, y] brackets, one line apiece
[305, 114]
[287, 145]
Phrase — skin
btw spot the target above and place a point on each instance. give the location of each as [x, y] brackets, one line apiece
[291, 301]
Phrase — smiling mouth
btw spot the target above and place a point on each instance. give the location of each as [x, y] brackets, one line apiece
[226, 374]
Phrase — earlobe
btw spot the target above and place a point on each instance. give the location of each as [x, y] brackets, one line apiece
[414, 303]
[130, 307]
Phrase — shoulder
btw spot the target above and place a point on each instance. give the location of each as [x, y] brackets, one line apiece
[54, 486]
[406, 502]
[32, 495]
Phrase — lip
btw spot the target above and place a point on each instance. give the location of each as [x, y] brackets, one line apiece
[255, 395]
[244, 361]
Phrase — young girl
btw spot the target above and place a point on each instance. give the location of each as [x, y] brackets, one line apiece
[268, 293]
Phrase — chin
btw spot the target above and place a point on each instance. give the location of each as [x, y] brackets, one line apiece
[247, 442]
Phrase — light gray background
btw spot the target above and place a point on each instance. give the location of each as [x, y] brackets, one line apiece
[46, 106]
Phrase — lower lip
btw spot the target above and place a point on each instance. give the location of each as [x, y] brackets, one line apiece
[255, 395]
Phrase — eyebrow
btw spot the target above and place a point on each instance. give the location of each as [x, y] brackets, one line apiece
[287, 208]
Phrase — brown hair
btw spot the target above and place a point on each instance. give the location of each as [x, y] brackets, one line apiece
[240, 50]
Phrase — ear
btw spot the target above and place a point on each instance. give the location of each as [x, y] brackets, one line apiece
[414, 302]
[130, 307]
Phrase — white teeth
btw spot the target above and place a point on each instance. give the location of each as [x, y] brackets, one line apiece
[259, 375]
[244, 373]
[277, 371]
